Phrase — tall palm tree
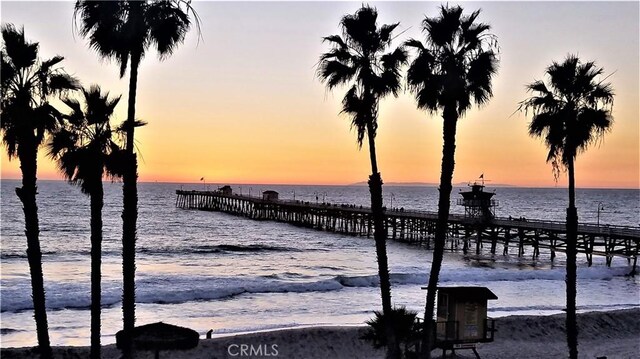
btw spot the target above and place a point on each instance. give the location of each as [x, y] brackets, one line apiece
[85, 152]
[358, 58]
[570, 112]
[124, 31]
[28, 84]
[451, 70]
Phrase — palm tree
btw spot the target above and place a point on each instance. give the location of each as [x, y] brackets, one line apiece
[451, 70]
[28, 84]
[124, 31]
[358, 57]
[570, 112]
[85, 152]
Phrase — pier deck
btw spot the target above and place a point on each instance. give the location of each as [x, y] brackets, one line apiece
[418, 227]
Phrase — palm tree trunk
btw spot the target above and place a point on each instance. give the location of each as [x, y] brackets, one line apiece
[130, 214]
[96, 262]
[450, 117]
[380, 237]
[27, 153]
[571, 280]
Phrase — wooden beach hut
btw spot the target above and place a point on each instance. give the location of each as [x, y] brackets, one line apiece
[462, 320]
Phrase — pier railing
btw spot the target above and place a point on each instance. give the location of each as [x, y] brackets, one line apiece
[418, 227]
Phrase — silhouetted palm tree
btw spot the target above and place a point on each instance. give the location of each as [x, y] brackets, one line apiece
[452, 69]
[124, 31]
[358, 57]
[27, 86]
[571, 111]
[85, 152]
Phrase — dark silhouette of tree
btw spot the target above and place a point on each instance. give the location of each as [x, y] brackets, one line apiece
[85, 152]
[451, 70]
[28, 84]
[358, 57]
[570, 112]
[124, 31]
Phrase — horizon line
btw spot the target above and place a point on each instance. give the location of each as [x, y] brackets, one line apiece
[352, 184]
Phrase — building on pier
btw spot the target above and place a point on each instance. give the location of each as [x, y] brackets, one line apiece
[270, 195]
[477, 203]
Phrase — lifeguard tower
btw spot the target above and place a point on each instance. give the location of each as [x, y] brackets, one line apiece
[477, 203]
[462, 320]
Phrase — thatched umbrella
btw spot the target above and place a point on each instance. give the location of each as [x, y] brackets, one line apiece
[160, 336]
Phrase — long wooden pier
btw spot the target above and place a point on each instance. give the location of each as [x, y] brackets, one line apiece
[499, 235]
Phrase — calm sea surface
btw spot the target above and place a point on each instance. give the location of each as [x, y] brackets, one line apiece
[208, 270]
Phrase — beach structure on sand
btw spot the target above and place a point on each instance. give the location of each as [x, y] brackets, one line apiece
[418, 227]
[158, 337]
[462, 320]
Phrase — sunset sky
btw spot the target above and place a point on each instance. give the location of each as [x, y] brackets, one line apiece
[243, 104]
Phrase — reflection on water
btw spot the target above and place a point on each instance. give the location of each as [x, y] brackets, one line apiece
[208, 270]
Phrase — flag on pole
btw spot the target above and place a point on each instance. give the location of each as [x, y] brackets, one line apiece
[202, 179]
[482, 176]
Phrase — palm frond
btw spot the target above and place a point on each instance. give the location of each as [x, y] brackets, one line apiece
[414, 44]
[60, 83]
[168, 26]
[481, 70]
[443, 30]
[62, 141]
[591, 126]
[385, 32]
[392, 62]
[360, 28]
[336, 39]
[340, 54]
[335, 73]
[7, 73]
[101, 22]
[10, 141]
[22, 54]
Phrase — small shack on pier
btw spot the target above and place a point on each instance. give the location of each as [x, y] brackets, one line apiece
[478, 203]
[270, 195]
[462, 320]
[226, 190]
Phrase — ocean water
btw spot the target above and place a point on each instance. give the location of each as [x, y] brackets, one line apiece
[208, 270]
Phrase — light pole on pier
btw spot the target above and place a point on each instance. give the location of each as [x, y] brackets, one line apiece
[294, 194]
[600, 208]
[204, 183]
[249, 191]
[392, 197]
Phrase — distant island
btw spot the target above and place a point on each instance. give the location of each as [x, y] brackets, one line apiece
[428, 184]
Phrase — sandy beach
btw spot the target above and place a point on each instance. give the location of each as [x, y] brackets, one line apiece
[614, 334]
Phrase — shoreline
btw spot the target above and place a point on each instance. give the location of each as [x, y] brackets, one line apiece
[612, 334]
